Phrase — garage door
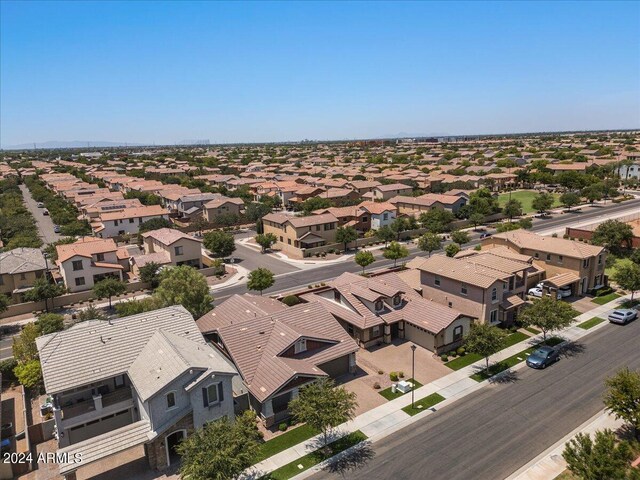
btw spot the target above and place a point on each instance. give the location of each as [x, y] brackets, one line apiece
[336, 367]
[419, 336]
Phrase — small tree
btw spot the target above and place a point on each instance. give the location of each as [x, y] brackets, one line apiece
[394, 252]
[485, 340]
[323, 406]
[622, 397]
[221, 450]
[220, 244]
[548, 315]
[265, 240]
[437, 220]
[542, 202]
[476, 219]
[430, 242]
[150, 273]
[92, 313]
[109, 287]
[4, 303]
[24, 345]
[570, 199]
[614, 235]
[29, 373]
[346, 235]
[364, 258]
[452, 249]
[43, 290]
[50, 323]
[290, 300]
[155, 224]
[385, 234]
[627, 275]
[513, 208]
[603, 458]
[185, 286]
[260, 279]
[525, 223]
[460, 237]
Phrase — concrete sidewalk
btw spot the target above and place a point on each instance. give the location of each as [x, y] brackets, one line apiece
[389, 417]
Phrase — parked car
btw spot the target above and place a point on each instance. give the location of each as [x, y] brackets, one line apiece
[565, 291]
[623, 316]
[40, 205]
[45, 212]
[543, 357]
[485, 235]
[56, 228]
[537, 292]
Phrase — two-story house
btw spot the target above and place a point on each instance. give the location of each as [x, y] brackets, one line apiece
[295, 234]
[386, 192]
[146, 379]
[19, 269]
[126, 221]
[489, 287]
[167, 246]
[567, 263]
[222, 206]
[379, 309]
[88, 260]
[381, 214]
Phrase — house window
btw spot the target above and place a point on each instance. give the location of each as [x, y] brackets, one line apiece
[385, 216]
[77, 265]
[336, 295]
[397, 300]
[599, 259]
[317, 228]
[457, 333]
[375, 331]
[560, 258]
[100, 257]
[463, 289]
[379, 305]
[536, 255]
[301, 346]
[493, 316]
[131, 220]
[212, 394]
[23, 276]
[119, 381]
[289, 241]
[436, 281]
[364, 219]
[79, 281]
[281, 238]
[171, 400]
[494, 294]
[179, 250]
[585, 263]
[548, 257]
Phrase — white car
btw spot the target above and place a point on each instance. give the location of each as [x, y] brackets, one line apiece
[565, 291]
[623, 316]
[40, 205]
[537, 292]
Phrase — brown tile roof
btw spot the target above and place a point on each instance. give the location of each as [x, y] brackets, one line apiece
[462, 270]
[558, 246]
[393, 186]
[85, 247]
[144, 211]
[167, 236]
[377, 208]
[238, 308]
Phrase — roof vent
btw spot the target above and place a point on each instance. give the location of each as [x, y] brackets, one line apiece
[261, 332]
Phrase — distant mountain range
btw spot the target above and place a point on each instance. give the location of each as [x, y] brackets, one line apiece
[73, 144]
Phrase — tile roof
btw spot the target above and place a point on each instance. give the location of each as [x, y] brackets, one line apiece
[143, 211]
[558, 246]
[238, 308]
[378, 208]
[168, 236]
[462, 270]
[22, 260]
[85, 247]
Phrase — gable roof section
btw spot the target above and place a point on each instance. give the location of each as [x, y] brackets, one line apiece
[238, 308]
[168, 236]
[558, 246]
[22, 260]
[85, 247]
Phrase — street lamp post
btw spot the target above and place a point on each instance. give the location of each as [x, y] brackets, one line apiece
[413, 374]
[46, 277]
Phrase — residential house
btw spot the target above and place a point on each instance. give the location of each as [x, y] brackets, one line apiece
[167, 246]
[353, 216]
[279, 350]
[19, 269]
[148, 379]
[379, 309]
[381, 214]
[295, 234]
[127, 221]
[386, 192]
[578, 265]
[222, 206]
[88, 260]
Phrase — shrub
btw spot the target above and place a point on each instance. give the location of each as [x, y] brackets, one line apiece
[376, 386]
[604, 291]
[461, 351]
[290, 300]
[309, 286]
[283, 427]
[6, 369]
[452, 353]
[393, 376]
[401, 374]
[444, 357]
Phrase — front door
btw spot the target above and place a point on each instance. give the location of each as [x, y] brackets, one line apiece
[172, 441]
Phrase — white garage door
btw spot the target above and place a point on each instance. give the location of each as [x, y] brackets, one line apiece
[419, 336]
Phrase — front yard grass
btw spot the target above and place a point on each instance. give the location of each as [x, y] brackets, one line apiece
[535, 331]
[605, 298]
[469, 358]
[586, 325]
[389, 395]
[285, 440]
[305, 463]
[423, 404]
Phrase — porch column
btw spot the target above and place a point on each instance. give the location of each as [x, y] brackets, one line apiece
[387, 334]
[352, 362]
[401, 329]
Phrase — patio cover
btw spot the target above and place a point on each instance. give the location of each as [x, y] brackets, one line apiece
[309, 237]
[110, 443]
[512, 302]
[563, 279]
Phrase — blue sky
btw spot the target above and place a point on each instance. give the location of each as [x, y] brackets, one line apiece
[266, 71]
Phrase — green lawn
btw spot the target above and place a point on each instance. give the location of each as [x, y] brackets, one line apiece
[525, 197]
[305, 463]
[423, 404]
[285, 440]
[605, 298]
[469, 358]
[512, 360]
[386, 393]
[586, 325]
[535, 331]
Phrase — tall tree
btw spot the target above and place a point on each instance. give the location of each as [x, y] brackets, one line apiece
[600, 458]
[385, 234]
[437, 220]
[24, 345]
[4, 303]
[155, 224]
[323, 406]
[395, 252]
[622, 397]
[570, 199]
[476, 219]
[460, 237]
[221, 450]
[109, 287]
[185, 286]
[346, 235]
[221, 244]
[548, 315]
[50, 323]
[430, 242]
[265, 240]
[542, 202]
[260, 279]
[150, 273]
[627, 275]
[364, 258]
[43, 289]
[513, 208]
[614, 235]
[485, 340]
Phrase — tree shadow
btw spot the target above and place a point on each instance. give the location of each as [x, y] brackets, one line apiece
[507, 376]
[352, 459]
[571, 349]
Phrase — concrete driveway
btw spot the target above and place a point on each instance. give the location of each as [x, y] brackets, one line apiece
[44, 222]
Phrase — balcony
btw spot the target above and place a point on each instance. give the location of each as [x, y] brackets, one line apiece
[104, 404]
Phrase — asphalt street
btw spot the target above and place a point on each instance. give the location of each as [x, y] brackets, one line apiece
[44, 222]
[492, 433]
[296, 279]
